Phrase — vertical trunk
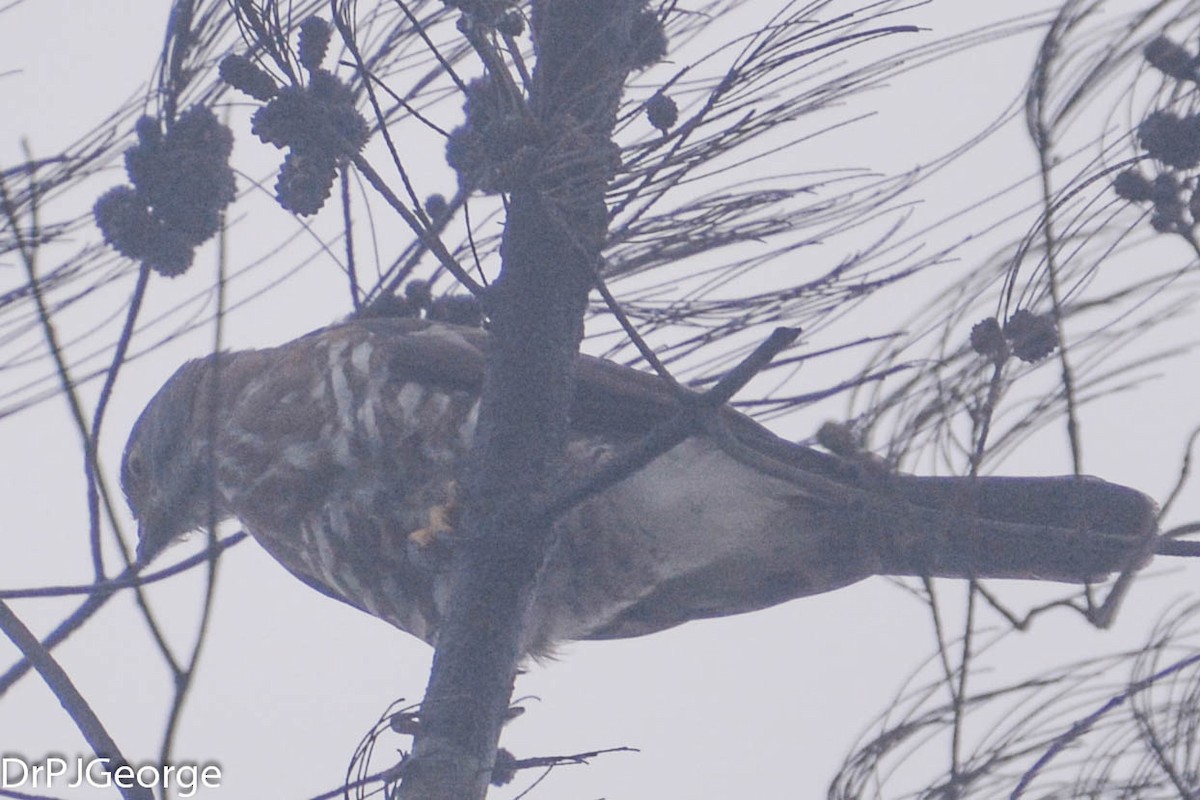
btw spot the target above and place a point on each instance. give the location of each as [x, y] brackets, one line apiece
[553, 237]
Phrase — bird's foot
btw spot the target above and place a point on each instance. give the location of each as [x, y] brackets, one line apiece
[442, 518]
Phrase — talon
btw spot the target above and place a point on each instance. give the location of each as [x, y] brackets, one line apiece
[441, 518]
[439, 523]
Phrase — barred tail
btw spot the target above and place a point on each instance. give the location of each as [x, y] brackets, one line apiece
[1060, 529]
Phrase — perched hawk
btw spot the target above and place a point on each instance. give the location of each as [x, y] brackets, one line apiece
[340, 452]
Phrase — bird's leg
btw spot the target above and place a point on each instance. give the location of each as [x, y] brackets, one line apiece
[442, 518]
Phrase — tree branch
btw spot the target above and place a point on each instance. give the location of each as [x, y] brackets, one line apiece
[536, 308]
[60, 683]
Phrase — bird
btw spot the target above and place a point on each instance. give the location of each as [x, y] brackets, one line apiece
[343, 453]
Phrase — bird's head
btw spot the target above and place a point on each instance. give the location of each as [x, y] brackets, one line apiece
[166, 471]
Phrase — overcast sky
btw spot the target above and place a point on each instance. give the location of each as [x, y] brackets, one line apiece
[763, 705]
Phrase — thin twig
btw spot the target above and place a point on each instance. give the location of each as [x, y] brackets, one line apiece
[429, 239]
[77, 707]
[689, 420]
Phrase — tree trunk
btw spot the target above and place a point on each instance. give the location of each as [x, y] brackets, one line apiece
[553, 237]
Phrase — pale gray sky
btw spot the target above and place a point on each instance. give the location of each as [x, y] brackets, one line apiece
[764, 705]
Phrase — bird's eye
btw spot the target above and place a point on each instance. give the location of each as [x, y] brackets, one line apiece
[133, 466]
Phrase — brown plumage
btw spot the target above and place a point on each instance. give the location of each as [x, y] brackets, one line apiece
[340, 453]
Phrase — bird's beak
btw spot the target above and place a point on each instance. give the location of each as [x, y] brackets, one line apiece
[145, 551]
[153, 538]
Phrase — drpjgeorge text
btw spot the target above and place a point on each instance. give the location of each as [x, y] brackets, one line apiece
[59, 772]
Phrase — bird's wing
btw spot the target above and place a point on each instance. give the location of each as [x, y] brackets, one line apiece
[621, 402]
[1074, 529]
[610, 398]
